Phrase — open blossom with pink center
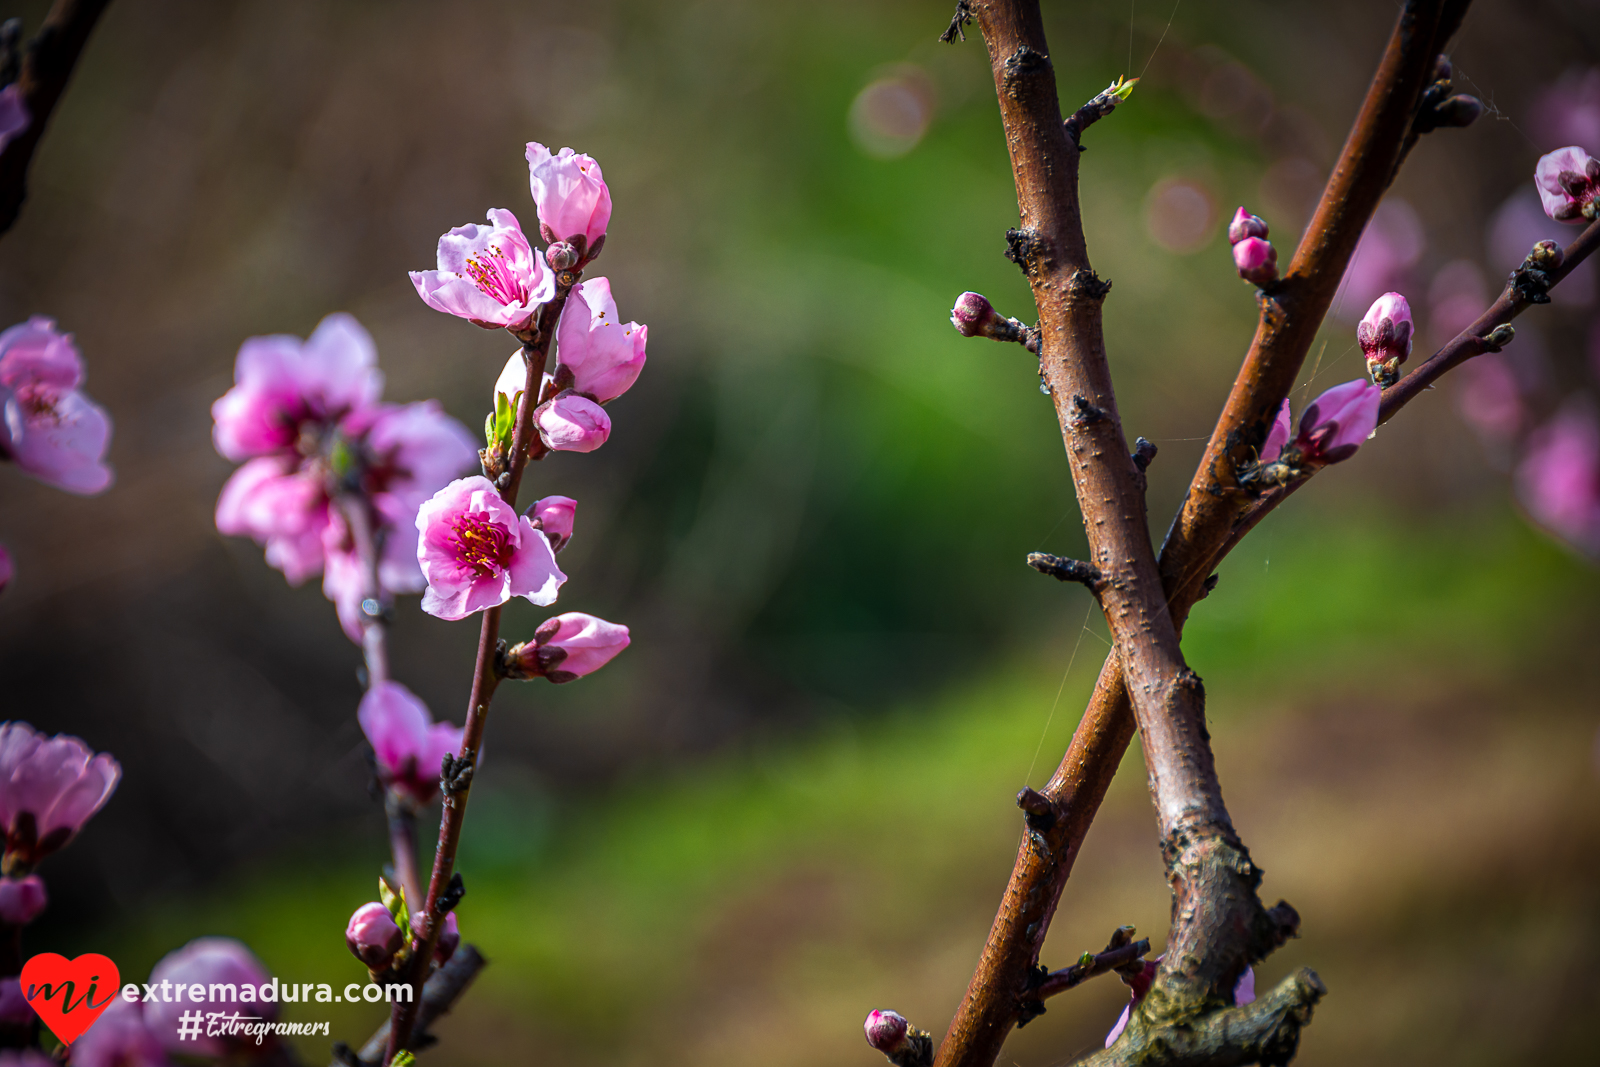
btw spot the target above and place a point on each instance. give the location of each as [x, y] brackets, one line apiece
[597, 355]
[476, 552]
[1558, 479]
[555, 515]
[49, 787]
[211, 964]
[571, 195]
[14, 117]
[1338, 421]
[572, 423]
[306, 418]
[50, 429]
[489, 275]
[1568, 180]
[1384, 334]
[21, 900]
[567, 647]
[119, 1038]
[408, 744]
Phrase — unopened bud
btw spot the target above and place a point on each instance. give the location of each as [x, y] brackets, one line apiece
[886, 1030]
[1546, 256]
[21, 900]
[1500, 336]
[973, 315]
[1246, 225]
[1384, 334]
[565, 648]
[1256, 260]
[561, 256]
[1458, 110]
[373, 936]
[555, 515]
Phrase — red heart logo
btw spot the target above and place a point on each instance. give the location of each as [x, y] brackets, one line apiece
[69, 995]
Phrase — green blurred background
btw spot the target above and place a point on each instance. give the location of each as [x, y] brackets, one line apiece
[791, 800]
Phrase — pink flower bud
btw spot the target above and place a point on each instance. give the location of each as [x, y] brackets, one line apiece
[449, 940]
[567, 647]
[597, 354]
[476, 552]
[973, 316]
[561, 256]
[555, 515]
[1568, 180]
[885, 1030]
[572, 423]
[209, 963]
[1385, 336]
[1336, 423]
[1245, 225]
[121, 1037]
[21, 900]
[1257, 261]
[1558, 479]
[14, 1007]
[373, 936]
[408, 744]
[571, 195]
[49, 787]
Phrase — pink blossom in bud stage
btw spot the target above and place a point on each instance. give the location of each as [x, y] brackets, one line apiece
[14, 1007]
[449, 940]
[885, 1030]
[49, 787]
[597, 355]
[373, 936]
[489, 275]
[568, 647]
[1256, 260]
[121, 1037]
[1384, 334]
[476, 552]
[204, 965]
[571, 195]
[972, 314]
[50, 429]
[1245, 226]
[8, 569]
[1336, 423]
[555, 515]
[14, 117]
[408, 744]
[572, 423]
[21, 900]
[1568, 180]
[1278, 436]
[1558, 480]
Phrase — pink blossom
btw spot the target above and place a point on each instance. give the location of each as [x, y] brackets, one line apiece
[572, 423]
[1256, 260]
[51, 430]
[885, 1030]
[1391, 246]
[8, 569]
[488, 275]
[283, 507]
[1568, 112]
[121, 1038]
[1558, 479]
[555, 515]
[1384, 334]
[598, 355]
[1568, 181]
[49, 787]
[1338, 421]
[1489, 396]
[201, 966]
[21, 900]
[571, 195]
[408, 744]
[373, 937]
[476, 552]
[449, 940]
[1245, 225]
[1278, 436]
[568, 647]
[14, 117]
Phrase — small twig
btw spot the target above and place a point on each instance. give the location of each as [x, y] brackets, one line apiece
[357, 513]
[439, 995]
[958, 23]
[42, 77]
[1098, 108]
[1091, 965]
[1068, 570]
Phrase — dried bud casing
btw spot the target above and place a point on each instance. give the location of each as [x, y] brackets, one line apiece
[972, 315]
[1458, 110]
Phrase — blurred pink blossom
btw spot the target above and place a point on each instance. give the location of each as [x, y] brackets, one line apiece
[14, 117]
[598, 355]
[1489, 397]
[568, 647]
[1568, 181]
[488, 275]
[1568, 112]
[14, 1007]
[1558, 479]
[1391, 246]
[408, 744]
[208, 962]
[21, 900]
[373, 937]
[120, 1038]
[571, 195]
[572, 423]
[51, 430]
[49, 787]
[477, 552]
[555, 515]
[28, 1057]
[1456, 297]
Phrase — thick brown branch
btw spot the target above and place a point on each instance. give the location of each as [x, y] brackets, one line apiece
[45, 70]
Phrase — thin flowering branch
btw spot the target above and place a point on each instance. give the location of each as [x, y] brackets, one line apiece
[1121, 952]
[42, 76]
[357, 515]
[439, 995]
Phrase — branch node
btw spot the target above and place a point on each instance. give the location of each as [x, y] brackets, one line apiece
[1087, 283]
[455, 775]
[1084, 413]
[1023, 247]
[1499, 337]
[1067, 570]
[1021, 67]
[1038, 810]
[962, 18]
[1144, 453]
